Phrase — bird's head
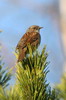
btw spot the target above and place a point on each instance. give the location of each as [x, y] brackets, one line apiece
[34, 28]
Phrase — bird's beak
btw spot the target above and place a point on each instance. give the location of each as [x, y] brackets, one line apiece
[40, 27]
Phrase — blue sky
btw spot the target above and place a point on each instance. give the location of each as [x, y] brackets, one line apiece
[15, 19]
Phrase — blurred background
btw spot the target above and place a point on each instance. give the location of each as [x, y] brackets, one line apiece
[17, 15]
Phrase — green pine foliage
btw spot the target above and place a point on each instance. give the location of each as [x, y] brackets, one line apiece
[31, 75]
[61, 88]
[31, 82]
[10, 94]
[5, 76]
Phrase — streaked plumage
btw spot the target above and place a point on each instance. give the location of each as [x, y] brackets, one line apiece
[31, 36]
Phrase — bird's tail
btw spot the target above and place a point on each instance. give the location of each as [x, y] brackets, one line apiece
[21, 55]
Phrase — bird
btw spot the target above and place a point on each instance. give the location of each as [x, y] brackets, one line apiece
[32, 37]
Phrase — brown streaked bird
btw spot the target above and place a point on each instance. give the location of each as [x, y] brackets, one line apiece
[32, 36]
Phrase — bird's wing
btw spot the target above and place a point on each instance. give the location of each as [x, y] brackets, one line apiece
[34, 38]
[23, 40]
[27, 38]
